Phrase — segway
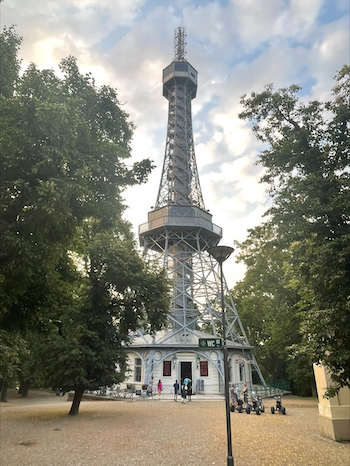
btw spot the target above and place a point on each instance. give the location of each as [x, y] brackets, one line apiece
[279, 406]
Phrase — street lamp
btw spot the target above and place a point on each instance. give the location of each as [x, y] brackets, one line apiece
[220, 254]
[174, 360]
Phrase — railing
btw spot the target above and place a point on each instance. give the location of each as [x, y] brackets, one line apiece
[180, 221]
[113, 393]
[272, 391]
[122, 393]
[280, 384]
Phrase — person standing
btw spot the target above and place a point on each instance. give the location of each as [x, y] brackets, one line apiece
[189, 390]
[237, 391]
[159, 388]
[183, 393]
[245, 393]
[176, 390]
[234, 396]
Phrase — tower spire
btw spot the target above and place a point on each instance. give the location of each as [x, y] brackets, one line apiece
[179, 183]
[180, 44]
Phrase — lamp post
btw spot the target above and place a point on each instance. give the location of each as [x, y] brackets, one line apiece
[174, 360]
[220, 254]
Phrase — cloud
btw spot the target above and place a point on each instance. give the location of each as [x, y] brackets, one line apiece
[330, 51]
[236, 184]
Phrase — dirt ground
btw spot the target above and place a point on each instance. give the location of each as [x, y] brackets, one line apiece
[37, 431]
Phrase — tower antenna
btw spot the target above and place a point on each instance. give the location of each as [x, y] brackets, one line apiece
[180, 44]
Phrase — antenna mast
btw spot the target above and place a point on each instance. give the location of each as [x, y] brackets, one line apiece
[180, 44]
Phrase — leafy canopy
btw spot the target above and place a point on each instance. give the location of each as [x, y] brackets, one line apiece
[307, 168]
[69, 265]
[269, 311]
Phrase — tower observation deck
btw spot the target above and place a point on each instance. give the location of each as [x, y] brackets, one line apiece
[179, 231]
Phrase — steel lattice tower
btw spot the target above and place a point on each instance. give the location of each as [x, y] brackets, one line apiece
[178, 233]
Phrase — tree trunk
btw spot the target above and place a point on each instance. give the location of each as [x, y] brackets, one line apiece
[25, 388]
[4, 392]
[78, 394]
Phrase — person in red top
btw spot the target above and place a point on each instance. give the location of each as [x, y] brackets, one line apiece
[159, 388]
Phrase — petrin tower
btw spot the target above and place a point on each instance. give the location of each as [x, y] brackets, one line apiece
[178, 233]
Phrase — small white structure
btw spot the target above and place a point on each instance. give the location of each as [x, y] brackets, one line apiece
[204, 367]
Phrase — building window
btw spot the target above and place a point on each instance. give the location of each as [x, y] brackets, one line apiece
[137, 370]
[166, 368]
[181, 66]
[204, 368]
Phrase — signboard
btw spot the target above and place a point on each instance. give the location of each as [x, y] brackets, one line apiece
[210, 343]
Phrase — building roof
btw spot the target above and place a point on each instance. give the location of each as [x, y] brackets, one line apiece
[177, 339]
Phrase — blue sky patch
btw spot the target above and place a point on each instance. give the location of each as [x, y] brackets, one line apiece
[248, 57]
[307, 86]
[294, 43]
[71, 10]
[330, 13]
[110, 41]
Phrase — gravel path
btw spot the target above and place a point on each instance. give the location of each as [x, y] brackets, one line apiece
[37, 431]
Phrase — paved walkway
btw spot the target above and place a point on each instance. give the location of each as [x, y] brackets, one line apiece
[37, 431]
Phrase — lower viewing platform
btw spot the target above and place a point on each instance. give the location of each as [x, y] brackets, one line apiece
[180, 216]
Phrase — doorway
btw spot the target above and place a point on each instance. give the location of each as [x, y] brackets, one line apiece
[186, 371]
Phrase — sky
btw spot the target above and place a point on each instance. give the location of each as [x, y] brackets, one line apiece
[237, 47]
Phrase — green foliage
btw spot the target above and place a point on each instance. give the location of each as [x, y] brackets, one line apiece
[12, 345]
[268, 309]
[307, 168]
[63, 145]
[9, 64]
[117, 294]
[69, 267]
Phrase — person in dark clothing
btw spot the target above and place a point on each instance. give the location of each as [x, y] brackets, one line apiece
[176, 390]
[183, 393]
[189, 390]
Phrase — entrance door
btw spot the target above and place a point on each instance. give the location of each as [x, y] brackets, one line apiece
[186, 370]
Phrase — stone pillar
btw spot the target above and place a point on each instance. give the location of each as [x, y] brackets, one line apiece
[333, 414]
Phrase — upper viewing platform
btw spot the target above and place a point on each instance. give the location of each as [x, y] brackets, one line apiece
[179, 72]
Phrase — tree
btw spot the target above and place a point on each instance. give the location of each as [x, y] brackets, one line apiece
[63, 148]
[307, 168]
[64, 143]
[119, 294]
[269, 311]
